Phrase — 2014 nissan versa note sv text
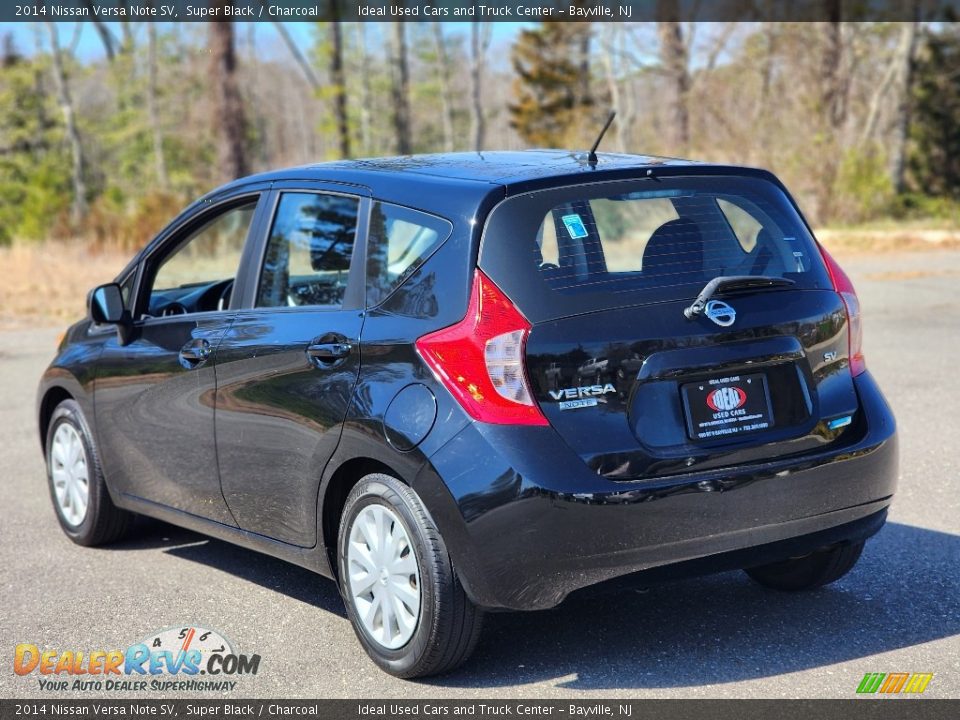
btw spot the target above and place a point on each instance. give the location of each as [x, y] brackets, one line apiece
[471, 382]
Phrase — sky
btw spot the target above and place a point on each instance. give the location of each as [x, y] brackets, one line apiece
[89, 47]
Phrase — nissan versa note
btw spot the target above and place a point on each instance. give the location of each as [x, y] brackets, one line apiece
[471, 382]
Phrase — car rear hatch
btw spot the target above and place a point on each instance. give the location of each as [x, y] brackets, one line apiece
[638, 380]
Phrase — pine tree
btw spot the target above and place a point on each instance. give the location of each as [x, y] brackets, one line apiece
[34, 189]
[552, 89]
[935, 133]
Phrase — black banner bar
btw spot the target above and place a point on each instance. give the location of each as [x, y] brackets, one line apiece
[477, 10]
[854, 709]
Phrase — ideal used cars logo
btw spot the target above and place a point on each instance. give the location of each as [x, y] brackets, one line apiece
[172, 659]
[726, 398]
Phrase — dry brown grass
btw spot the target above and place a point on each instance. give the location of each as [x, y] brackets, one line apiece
[849, 241]
[895, 275]
[48, 283]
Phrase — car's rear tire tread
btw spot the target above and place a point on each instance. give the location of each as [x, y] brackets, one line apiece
[462, 620]
[811, 571]
[456, 623]
[466, 625]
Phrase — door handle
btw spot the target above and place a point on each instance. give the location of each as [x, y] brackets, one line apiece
[194, 353]
[326, 355]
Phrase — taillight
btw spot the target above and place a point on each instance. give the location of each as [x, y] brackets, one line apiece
[481, 358]
[843, 286]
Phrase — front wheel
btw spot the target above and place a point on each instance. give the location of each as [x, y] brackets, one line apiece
[84, 509]
[403, 597]
[810, 571]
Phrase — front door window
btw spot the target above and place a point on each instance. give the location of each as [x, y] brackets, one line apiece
[197, 276]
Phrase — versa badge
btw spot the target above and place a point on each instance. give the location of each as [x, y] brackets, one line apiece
[581, 397]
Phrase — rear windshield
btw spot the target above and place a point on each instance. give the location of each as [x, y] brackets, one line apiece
[613, 244]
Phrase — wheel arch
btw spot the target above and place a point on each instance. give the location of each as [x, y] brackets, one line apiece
[52, 397]
[335, 493]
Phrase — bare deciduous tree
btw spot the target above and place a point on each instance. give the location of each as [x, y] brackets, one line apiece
[833, 81]
[674, 58]
[480, 34]
[834, 90]
[622, 102]
[159, 159]
[366, 139]
[905, 59]
[585, 92]
[128, 43]
[443, 76]
[339, 79]
[106, 37]
[767, 68]
[254, 98]
[308, 71]
[400, 90]
[229, 119]
[79, 205]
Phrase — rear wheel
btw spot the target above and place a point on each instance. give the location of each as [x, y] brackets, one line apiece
[403, 597]
[84, 509]
[810, 571]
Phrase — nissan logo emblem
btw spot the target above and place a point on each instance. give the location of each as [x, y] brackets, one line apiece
[721, 313]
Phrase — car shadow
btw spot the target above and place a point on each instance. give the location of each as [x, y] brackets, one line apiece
[724, 628]
[710, 630]
[268, 572]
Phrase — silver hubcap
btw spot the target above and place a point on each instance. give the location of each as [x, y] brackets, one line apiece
[71, 479]
[384, 579]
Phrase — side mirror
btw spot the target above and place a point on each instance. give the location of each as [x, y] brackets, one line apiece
[106, 308]
[106, 305]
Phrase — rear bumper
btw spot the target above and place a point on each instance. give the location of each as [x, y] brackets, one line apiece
[526, 522]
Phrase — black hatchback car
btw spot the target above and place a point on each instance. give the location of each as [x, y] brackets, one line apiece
[457, 383]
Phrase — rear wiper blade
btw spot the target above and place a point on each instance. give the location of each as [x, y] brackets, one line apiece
[732, 282]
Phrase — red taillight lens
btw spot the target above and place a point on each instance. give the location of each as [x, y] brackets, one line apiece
[842, 284]
[481, 358]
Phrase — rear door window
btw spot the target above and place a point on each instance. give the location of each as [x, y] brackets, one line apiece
[307, 261]
[610, 244]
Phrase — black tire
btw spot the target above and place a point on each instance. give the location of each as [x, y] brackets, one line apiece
[104, 522]
[810, 571]
[449, 624]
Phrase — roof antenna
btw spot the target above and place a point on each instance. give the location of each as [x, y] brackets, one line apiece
[592, 155]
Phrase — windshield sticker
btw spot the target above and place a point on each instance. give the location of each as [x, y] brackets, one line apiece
[575, 226]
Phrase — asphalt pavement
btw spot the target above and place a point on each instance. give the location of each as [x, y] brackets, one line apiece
[715, 637]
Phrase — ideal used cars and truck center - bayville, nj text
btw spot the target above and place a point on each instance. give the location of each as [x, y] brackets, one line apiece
[294, 13]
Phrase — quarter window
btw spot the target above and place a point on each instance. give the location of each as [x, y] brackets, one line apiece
[400, 239]
[308, 255]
